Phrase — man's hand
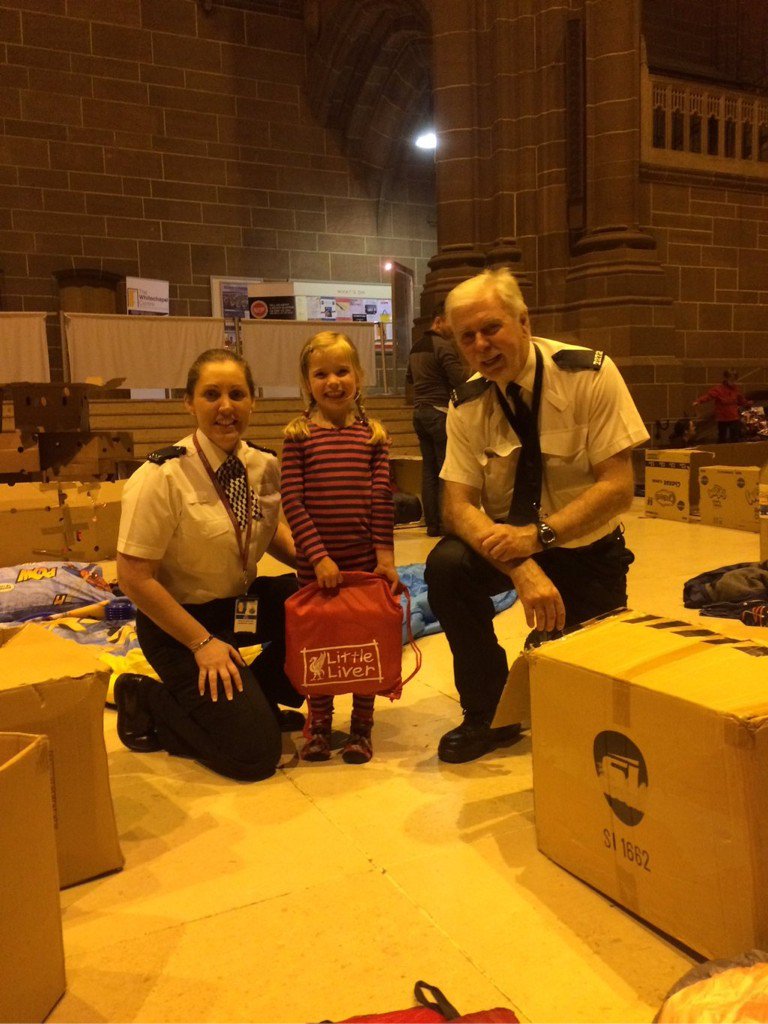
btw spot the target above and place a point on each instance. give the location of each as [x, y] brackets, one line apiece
[505, 543]
[544, 608]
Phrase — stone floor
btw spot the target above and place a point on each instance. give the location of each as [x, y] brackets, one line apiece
[330, 889]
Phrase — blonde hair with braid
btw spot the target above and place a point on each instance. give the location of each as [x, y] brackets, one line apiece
[325, 341]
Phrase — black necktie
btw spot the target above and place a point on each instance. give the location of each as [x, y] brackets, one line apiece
[231, 476]
[527, 493]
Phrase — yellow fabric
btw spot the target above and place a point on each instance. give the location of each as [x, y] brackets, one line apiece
[133, 660]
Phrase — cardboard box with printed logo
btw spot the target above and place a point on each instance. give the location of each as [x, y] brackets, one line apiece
[672, 482]
[728, 496]
[650, 761]
[31, 947]
[54, 688]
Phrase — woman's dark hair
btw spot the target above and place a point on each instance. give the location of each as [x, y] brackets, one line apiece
[217, 355]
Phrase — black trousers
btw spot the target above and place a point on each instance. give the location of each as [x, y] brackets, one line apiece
[728, 430]
[429, 425]
[238, 738]
[591, 580]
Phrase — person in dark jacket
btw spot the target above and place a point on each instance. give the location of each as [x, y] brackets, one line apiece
[434, 370]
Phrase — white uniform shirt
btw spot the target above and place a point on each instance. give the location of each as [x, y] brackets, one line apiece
[585, 417]
[172, 513]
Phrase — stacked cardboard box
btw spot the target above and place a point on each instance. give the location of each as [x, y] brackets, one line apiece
[52, 438]
[729, 497]
[672, 482]
[650, 755]
[64, 521]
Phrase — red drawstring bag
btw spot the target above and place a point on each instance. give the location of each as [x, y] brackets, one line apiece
[347, 640]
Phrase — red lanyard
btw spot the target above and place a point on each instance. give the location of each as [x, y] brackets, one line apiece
[242, 544]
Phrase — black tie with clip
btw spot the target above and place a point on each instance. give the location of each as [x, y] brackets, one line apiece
[526, 495]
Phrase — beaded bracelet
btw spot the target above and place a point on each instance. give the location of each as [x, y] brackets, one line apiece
[194, 648]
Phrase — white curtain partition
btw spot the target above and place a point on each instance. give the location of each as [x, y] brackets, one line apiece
[147, 351]
[272, 348]
[23, 348]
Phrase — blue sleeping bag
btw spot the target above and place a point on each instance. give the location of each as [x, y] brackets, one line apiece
[423, 620]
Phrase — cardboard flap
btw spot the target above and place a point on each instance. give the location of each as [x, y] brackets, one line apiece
[686, 661]
[32, 655]
[515, 702]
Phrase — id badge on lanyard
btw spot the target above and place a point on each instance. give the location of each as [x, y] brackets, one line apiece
[246, 614]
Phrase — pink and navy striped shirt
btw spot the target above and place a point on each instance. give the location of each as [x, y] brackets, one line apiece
[337, 498]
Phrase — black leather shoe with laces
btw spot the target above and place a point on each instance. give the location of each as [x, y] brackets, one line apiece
[134, 722]
[473, 738]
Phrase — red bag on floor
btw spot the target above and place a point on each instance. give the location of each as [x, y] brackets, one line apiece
[436, 1009]
[347, 640]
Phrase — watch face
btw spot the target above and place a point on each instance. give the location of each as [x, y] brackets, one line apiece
[547, 535]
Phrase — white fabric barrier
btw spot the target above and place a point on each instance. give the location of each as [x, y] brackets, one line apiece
[272, 348]
[147, 351]
[23, 348]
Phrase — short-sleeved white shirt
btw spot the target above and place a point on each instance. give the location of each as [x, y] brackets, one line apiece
[171, 513]
[585, 417]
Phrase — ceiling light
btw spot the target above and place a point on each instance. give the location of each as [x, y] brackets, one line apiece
[427, 140]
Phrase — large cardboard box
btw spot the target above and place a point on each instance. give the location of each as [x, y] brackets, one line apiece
[31, 947]
[57, 689]
[55, 406]
[84, 456]
[65, 521]
[672, 482]
[92, 515]
[728, 496]
[52, 406]
[19, 452]
[32, 525]
[650, 772]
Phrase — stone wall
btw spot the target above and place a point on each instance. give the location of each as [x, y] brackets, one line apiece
[154, 139]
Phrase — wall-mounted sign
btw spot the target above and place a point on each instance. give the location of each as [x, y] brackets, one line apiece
[146, 296]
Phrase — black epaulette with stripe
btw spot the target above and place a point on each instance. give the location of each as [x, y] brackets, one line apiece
[162, 455]
[469, 391]
[259, 448]
[578, 359]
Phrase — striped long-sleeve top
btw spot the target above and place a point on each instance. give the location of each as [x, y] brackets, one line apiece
[337, 498]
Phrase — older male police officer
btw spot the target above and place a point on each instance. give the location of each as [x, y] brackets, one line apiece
[537, 472]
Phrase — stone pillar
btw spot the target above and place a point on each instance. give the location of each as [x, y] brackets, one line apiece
[480, 159]
[615, 286]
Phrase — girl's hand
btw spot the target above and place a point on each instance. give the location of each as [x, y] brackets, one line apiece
[389, 572]
[328, 573]
[218, 661]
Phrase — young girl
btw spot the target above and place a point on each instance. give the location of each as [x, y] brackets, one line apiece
[337, 499]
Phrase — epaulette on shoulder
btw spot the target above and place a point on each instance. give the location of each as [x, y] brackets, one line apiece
[162, 455]
[578, 359]
[259, 448]
[469, 391]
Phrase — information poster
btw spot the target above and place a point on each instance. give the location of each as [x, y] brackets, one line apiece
[145, 296]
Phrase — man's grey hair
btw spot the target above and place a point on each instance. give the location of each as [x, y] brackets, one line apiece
[499, 284]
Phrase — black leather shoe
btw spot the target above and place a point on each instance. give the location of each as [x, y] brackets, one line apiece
[289, 721]
[134, 722]
[473, 738]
